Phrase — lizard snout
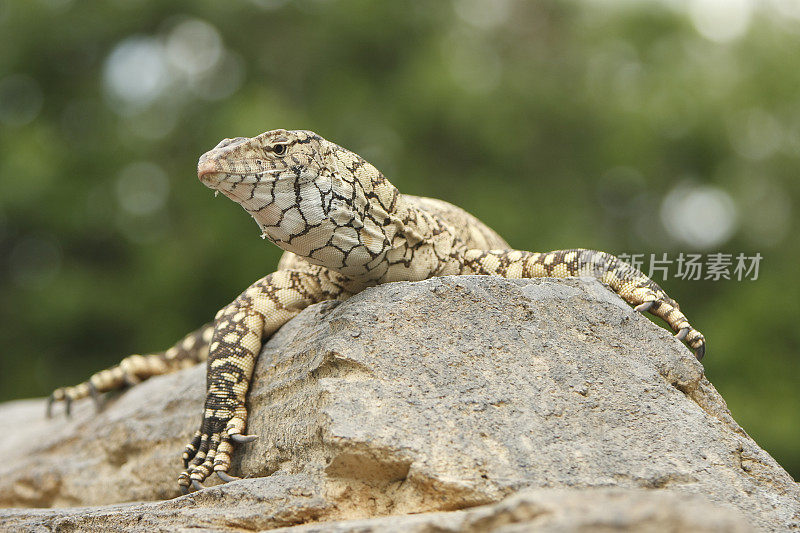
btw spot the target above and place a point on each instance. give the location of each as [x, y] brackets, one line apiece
[208, 172]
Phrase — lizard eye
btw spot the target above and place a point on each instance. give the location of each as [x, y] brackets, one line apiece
[279, 149]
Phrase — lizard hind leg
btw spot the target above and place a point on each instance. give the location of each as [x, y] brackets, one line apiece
[189, 351]
[640, 291]
[628, 282]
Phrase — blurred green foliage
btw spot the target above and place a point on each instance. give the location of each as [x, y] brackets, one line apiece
[559, 123]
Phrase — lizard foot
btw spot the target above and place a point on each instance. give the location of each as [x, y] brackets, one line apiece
[130, 371]
[696, 342]
[668, 310]
[70, 394]
[210, 450]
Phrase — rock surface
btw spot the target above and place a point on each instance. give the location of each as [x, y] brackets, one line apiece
[279, 505]
[425, 397]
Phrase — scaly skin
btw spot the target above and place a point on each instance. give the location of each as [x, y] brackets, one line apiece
[344, 227]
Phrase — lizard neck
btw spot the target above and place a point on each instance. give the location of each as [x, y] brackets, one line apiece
[403, 241]
[362, 217]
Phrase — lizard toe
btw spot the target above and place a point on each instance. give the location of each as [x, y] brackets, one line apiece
[200, 472]
[222, 457]
[184, 481]
[697, 342]
[200, 455]
[191, 449]
[193, 477]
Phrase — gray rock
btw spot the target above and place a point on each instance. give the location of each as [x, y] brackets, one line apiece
[558, 511]
[421, 397]
[280, 502]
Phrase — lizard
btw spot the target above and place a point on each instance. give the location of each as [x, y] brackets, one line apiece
[343, 227]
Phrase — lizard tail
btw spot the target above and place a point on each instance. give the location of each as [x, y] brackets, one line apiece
[189, 351]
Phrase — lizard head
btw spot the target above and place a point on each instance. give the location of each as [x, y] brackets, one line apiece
[308, 195]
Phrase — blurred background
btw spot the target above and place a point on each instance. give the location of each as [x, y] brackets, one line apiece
[625, 126]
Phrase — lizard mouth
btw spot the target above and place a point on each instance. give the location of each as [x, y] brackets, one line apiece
[209, 174]
[212, 180]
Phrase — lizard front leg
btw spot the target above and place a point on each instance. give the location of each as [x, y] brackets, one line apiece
[631, 284]
[239, 330]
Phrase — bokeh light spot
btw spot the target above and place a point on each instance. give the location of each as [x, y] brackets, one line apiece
[787, 8]
[721, 20]
[135, 72]
[701, 216]
[755, 134]
[194, 47]
[483, 14]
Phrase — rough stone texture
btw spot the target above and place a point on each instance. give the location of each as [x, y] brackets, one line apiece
[432, 396]
[560, 510]
[130, 451]
[258, 504]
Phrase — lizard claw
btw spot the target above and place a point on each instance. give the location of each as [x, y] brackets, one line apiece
[645, 307]
[70, 394]
[695, 340]
[225, 477]
[184, 490]
[682, 333]
[242, 439]
[49, 409]
[700, 352]
[95, 397]
[197, 485]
